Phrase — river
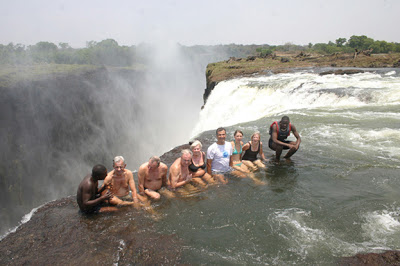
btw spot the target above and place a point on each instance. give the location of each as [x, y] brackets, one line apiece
[338, 196]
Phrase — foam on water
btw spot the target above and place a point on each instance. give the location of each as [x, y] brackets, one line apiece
[298, 228]
[382, 227]
[120, 250]
[247, 99]
[24, 219]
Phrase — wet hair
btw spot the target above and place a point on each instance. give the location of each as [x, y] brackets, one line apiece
[186, 151]
[196, 143]
[155, 159]
[285, 118]
[237, 131]
[98, 170]
[256, 133]
[220, 129]
[118, 159]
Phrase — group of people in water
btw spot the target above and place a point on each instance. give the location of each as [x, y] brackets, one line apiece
[193, 166]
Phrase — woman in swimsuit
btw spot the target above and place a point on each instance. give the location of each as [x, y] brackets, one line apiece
[198, 165]
[251, 150]
[237, 152]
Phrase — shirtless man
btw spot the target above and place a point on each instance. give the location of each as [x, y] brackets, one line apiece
[152, 177]
[179, 174]
[279, 131]
[119, 181]
[87, 196]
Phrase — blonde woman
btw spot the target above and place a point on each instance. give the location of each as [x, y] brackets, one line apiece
[251, 150]
[198, 165]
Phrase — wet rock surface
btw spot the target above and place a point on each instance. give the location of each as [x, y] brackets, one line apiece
[342, 72]
[59, 234]
[387, 258]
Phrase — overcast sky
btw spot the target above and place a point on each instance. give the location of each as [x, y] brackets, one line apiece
[205, 22]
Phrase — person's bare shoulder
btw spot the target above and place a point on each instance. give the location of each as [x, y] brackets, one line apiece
[163, 167]
[108, 177]
[246, 146]
[142, 167]
[129, 172]
[175, 165]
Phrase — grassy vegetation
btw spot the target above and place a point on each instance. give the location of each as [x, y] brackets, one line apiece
[11, 74]
[243, 67]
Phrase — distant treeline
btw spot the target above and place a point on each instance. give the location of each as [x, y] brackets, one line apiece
[341, 45]
[109, 52]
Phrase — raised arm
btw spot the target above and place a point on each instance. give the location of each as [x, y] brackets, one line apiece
[245, 148]
[87, 203]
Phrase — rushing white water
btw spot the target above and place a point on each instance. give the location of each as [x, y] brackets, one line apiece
[247, 99]
[26, 218]
[339, 195]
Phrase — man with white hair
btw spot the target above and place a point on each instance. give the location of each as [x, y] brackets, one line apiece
[119, 181]
[179, 174]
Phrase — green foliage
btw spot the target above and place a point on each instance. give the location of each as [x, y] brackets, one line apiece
[340, 42]
[263, 52]
[108, 52]
[290, 47]
[360, 42]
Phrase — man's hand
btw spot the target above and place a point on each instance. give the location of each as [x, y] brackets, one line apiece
[189, 178]
[292, 146]
[108, 195]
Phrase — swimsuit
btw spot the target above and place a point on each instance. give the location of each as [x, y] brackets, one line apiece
[282, 135]
[194, 168]
[125, 198]
[144, 188]
[283, 147]
[235, 151]
[250, 155]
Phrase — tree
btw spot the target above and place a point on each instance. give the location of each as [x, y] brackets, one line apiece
[383, 47]
[360, 42]
[64, 45]
[340, 42]
[43, 52]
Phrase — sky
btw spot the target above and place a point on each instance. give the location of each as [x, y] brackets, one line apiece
[196, 22]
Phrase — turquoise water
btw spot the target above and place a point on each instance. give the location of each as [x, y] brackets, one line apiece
[337, 197]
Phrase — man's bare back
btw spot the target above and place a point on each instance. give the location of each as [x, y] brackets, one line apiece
[86, 197]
